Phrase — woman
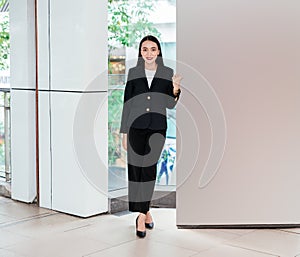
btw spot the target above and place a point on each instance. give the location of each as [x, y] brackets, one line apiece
[150, 89]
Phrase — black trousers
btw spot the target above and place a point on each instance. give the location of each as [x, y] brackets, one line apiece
[144, 148]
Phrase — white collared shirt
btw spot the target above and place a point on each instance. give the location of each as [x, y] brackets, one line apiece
[150, 75]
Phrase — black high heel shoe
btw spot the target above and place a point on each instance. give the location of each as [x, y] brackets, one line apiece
[140, 234]
[149, 225]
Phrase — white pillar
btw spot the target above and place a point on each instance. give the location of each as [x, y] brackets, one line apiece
[22, 99]
[72, 106]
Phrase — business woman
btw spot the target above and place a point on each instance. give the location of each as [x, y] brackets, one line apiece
[151, 87]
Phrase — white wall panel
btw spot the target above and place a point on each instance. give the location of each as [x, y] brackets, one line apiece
[22, 78]
[44, 50]
[72, 57]
[246, 55]
[23, 145]
[22, 44]
[79, 155]
[78, 45]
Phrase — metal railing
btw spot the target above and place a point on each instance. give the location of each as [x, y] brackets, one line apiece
[5, 167]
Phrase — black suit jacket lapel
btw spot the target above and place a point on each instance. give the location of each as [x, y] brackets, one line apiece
[142, 76]
[157, 76]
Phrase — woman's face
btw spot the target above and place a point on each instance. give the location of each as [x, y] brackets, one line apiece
[149, 51]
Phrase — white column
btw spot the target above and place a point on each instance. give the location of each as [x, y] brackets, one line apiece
[73, 106]
[22, 99]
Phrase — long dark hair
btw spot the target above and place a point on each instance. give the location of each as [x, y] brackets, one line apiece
[159, 59]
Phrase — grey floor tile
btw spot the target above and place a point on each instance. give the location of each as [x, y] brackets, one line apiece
[143, 247]
[274, 242]
[112, 230]
[9, 238]
[238, 231]
[291, 230]
[58, 245]
[46, 224]
[4, 200]
[29, 231]
[229, 251]
[195, 240]
[6, 253]
[20, 210]
[6, 219]
[164, 218]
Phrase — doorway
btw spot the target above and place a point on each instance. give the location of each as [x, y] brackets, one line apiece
[128, 22]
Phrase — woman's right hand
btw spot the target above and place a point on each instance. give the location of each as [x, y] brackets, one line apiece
[124, 141]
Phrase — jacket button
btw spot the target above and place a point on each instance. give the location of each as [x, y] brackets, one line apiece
[148, 97]
[148, 109]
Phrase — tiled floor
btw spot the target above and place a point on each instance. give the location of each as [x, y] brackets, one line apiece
[29, 231]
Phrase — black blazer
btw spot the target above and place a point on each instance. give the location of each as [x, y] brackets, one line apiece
[145, 107]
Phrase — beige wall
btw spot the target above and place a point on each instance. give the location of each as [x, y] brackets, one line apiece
[238, 118]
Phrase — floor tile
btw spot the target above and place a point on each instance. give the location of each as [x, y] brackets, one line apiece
[20, 210]
[274, 242]
[5, 253]
[4, 200]
[9, 238]
[29, 231]
[196, 240]
[223, 235]
[164, 218]
[43, 225]
[291, 230]
[60, 245]
[238, 231]
[143, 247]
[5, 219]
[229, 251]
[111, 230]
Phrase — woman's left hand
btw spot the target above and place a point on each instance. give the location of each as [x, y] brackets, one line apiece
[176, 82]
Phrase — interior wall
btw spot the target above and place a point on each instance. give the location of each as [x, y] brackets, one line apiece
[238, 119]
